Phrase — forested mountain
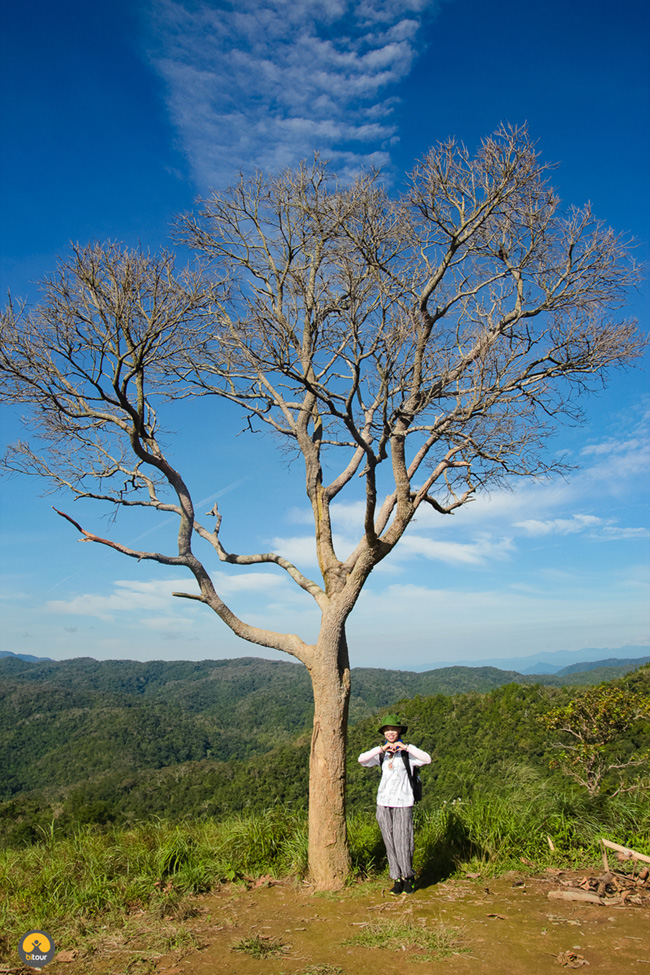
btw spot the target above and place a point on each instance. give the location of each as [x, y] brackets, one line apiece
[63, 722]
[88, 742]
[627, 664]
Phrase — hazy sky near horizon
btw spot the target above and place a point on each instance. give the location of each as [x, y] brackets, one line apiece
[116, 116]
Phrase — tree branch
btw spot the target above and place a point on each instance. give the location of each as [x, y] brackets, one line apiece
[266, 557]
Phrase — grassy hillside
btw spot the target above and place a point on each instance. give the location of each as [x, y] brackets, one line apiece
[477, 741]
[121, 841]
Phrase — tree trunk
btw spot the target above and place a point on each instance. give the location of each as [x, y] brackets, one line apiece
[329, 861]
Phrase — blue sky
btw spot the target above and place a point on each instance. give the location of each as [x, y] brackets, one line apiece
[116, 116]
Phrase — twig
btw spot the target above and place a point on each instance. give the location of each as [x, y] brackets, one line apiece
[632, 854]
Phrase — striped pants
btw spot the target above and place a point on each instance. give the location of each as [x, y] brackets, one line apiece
[396, 825]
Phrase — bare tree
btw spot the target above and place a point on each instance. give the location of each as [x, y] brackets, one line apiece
[427, 342]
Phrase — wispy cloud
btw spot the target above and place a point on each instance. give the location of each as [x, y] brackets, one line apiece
[265, 83]
[127, 596]
[590, 524]
[559, 526]
[134, 596]
[619, 533]
[257, 582]
[478, 552]
[636, 447]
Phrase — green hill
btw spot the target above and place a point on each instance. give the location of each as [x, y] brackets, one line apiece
[126, 762]
[64, 722]
[610, 663]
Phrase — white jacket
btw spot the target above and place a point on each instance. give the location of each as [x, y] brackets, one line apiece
[394, 788]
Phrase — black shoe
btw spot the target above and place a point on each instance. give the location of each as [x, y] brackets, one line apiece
[397, 887]
[408, 885]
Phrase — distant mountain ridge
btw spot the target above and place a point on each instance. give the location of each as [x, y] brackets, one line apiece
[30, 658]
[553, 661]
[585, 666]
[558, 662]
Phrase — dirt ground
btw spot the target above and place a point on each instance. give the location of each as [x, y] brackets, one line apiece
[504, 926]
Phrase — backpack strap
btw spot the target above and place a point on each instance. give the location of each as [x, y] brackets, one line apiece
[407, 764]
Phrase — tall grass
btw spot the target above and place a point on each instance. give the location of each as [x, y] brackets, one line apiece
[527, 819]
[75, 886]
[70, 886]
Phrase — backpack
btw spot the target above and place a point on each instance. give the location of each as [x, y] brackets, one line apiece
[413, 774]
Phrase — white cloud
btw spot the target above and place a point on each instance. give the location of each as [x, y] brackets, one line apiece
[611, 446]
[264, 83]
[349, 516]
[560, 526]
[133, 596]
[612, 481]
[137, 597]
[477, 552]
[481, 549]
[228, 584]
[595, 528]
[128, 596]
[298, 549]
[618, 533]
[301, 549]
[624, 454]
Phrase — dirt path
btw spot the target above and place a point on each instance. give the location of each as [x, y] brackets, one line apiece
[506, 926]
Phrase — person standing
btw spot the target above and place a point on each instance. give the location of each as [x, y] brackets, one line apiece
[395, 800]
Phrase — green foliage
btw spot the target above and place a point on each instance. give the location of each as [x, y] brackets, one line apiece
[277, 839]
[63, 723]
[597, 729]
[366, 845]
[469, 736]
[525, 818]
[73, 885]
[66, 883]
[78, 858]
